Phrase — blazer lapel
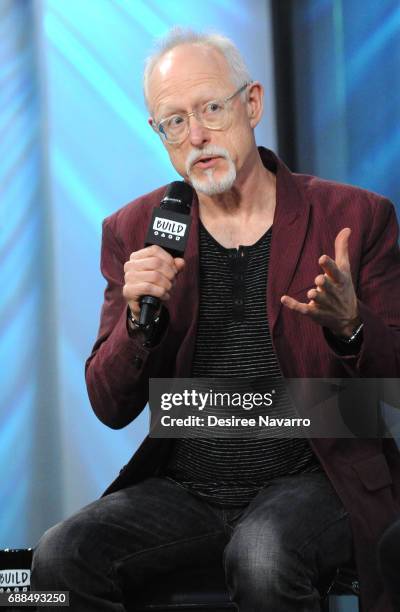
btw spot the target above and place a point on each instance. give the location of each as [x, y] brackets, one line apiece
[288, 234]
[187, 298]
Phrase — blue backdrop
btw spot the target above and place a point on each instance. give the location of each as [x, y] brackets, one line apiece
[75, 146]
[347, 84]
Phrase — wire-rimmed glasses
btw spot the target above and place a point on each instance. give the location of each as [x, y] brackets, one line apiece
[213, 115]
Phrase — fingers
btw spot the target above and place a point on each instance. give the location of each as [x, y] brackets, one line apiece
[322, 298]
[155, 252]
[332, 300]
[294, 304]
[149, 271]
[339, 268]
[324, 283]
[342, 249]
[152, 251]
[331, 269]
[324, 291]
[179, 263]
[149, 264]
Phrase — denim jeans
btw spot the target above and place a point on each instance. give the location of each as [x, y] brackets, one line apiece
[275, 550]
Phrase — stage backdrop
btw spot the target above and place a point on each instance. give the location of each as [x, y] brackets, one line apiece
[75, 146]
[347, 91]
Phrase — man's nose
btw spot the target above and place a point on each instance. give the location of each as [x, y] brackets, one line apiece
[198, 134]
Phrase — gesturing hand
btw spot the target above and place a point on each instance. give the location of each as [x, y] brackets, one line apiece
[333, 301]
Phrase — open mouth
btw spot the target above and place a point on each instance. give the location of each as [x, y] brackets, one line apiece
[207, 162]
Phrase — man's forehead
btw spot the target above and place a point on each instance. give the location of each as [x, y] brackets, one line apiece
[194, 53]
[186, 67]
[188, 60]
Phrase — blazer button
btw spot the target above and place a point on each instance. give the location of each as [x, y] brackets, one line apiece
[138, 362]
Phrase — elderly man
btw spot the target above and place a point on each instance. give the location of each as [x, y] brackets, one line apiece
[321, 263]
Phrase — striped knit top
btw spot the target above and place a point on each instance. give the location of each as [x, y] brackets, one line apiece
[233, 340]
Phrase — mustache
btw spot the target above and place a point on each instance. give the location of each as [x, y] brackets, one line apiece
[210, 151]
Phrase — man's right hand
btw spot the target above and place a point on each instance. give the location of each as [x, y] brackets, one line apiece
[150, 271]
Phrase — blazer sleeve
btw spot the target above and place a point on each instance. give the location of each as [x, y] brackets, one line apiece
[118, 369]
[378, 292]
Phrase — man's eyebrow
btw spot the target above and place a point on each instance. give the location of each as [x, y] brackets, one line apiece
[173, 110]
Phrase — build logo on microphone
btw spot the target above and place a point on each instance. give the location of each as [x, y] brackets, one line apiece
[169, 230]
[166, 226]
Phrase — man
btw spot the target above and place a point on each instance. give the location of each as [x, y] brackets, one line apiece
[321, 261]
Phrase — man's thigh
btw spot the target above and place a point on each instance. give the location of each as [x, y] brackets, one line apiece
[298, 524]
[150, 527]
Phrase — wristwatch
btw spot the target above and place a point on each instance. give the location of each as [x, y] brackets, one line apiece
[356, 333]
[134, 323]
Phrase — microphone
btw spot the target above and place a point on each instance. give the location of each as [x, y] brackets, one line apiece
[169, 228]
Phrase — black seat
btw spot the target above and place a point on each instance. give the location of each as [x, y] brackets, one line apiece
[203, 590]
[195, 590]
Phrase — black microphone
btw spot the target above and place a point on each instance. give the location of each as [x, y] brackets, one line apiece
[169, 228]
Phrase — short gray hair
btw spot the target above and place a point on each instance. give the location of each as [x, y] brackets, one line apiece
[181, 36]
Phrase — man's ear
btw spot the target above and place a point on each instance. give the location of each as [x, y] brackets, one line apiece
[152, 124]
[255, 102]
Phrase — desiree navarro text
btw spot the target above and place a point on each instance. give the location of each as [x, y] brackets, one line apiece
[232, 421]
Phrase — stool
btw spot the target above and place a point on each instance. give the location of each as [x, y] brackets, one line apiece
[204, 590]
[344, 584]
[199, 590]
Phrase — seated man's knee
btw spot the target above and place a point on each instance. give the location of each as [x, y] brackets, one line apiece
[256, 559]
[59, 548]
[263, 570]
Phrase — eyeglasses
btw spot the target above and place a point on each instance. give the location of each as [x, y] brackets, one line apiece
[213, 115]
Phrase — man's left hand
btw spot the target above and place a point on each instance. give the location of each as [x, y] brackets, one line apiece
[333, 300]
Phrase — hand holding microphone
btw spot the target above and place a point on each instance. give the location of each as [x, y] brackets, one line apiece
[150, 272]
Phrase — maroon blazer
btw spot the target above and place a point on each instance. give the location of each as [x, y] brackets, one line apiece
[309, 214]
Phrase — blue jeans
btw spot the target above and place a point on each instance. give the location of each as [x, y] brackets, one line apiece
[275, 550]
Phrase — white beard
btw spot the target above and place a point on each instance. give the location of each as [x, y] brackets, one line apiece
[207, 183]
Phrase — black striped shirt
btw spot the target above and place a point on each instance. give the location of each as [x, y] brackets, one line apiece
[233, 340]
